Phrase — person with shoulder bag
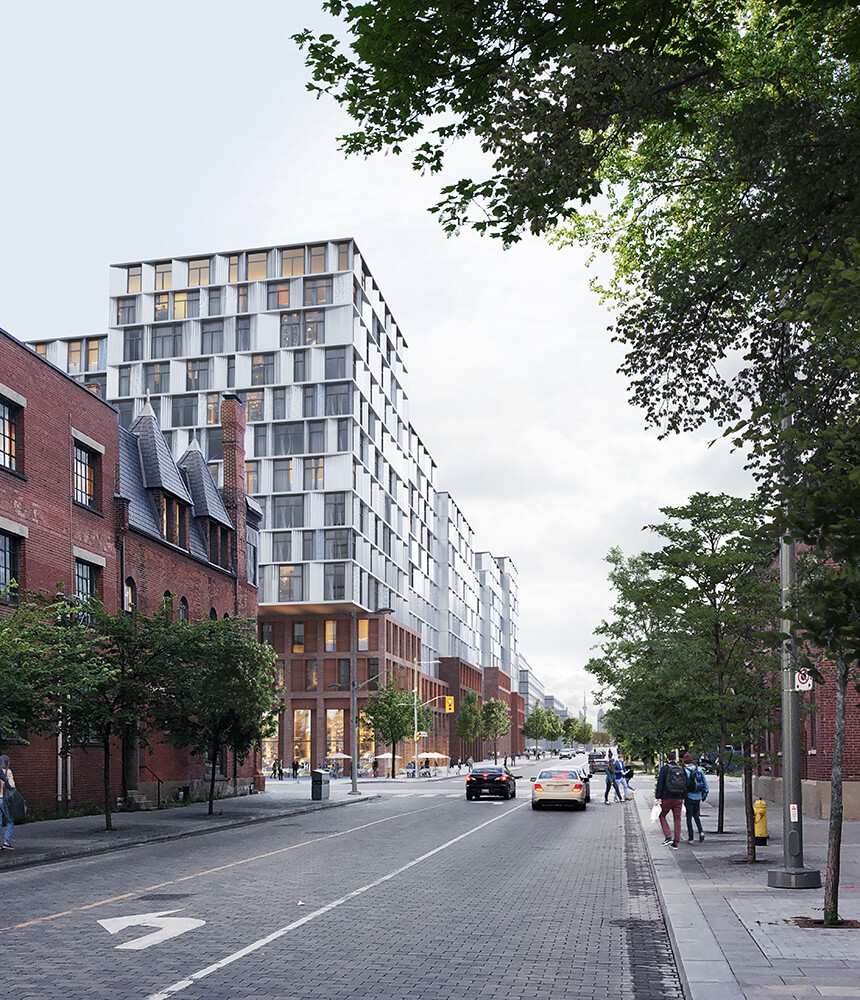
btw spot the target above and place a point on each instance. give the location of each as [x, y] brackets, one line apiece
[13, 805]
[697, 792]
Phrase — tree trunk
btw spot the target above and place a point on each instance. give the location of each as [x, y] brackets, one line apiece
[834, 834]
[106, 775]
[393, 760]
[748, 802]
[215, 748]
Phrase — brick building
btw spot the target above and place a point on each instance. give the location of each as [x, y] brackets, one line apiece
[96, 509]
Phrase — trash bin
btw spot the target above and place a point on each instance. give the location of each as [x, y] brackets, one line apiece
[320, 782]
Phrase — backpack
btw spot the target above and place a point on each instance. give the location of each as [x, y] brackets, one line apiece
[676, 781]
[695, 781]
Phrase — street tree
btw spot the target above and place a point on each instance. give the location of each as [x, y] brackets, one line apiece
[390, 713]
[467, 725]
[23, 691]
[535, 725]
[495, 723]
[553, 727]
[576, 731]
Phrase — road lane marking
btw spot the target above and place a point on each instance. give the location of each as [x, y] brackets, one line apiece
[222, 963]
[166, 927]
[207, 871]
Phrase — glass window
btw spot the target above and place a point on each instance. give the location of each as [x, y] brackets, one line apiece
[95, 354]
[279, 404]
[167, 341]
[183, 609]
[41, 350]
[335, 508]
[186, 305]
[299, 365]
[243, 333]
[84, 476]
[215, 301]
[233, 267]
[316, 259]
[164, 275]
[126, 311]
[307, 545]
[260, 440]
[337, 399]
[314, 475]
[373, 668]
[288, 511]
[212, 337]
[291, 329]
[9, 550]
[198, 271]
[318, 291]
[316, 435]
[335, 362]
[132, 344]
[311, 675]
[292, 262]
[215, 442]
[196, 374]
[298, 637]
[231, 370]
[124, 381]
[331, 636]
[133, 279]
[254, 405]
[257, 266]
[9, 418]
[288, 439]
[185, 412]
[314, 327]
[337, 544]
[343, 435]
[86, 579]
[73, 364]
[279, 295]
[156, 377]
[309, 407]
[282, 475]
[262, 369]
[363, 633]
[242, 299]
[252, 477]
[289, 583]
[161, 307]
[213, 407]
[125, 411]
[282, 544]
[343, 256]
[334, 582]
[129, 595]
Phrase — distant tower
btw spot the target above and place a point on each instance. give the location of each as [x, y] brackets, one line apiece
[582, 711]
[600, 721]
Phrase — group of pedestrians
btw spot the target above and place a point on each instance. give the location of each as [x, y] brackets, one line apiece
[278, 770]
[680, 785]
[618, 776]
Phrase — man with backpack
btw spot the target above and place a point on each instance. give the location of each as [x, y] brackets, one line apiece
[697, 792]
[670, 794]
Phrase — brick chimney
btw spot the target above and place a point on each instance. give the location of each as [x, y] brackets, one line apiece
[233, 492]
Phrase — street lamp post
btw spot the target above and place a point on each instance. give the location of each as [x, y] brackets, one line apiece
[353, 699]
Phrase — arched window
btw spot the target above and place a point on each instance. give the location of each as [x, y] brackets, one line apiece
[168, 602]
[213, 614]
[129, 595]
[183, 609]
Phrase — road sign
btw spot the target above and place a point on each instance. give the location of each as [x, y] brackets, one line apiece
[803, 680]
[168, 927]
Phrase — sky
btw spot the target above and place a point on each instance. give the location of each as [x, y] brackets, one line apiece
[185, 127]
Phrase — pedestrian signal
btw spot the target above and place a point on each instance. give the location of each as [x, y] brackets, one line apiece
[449, 705]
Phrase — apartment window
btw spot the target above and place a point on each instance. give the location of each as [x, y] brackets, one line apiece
[132, 344]
[291, 329]
[311, 675]
[343, 435]
[196, 374]
[95, 354]
[185, 412]
[335, 508]
[363, 633]
[243, 333]
[282, 545]
[233, 267]
[292, 262]
[163, 276]
[279, 295]
[343, 673]
[260, 440]
[156, 377]
[73, 362]
[330, 636]
[213, 407]
[198, 271]
[343, 256]
[156, 407]
[125, 413]
[262, 369]
[289, 583]
[299, 365]
[309, 406]
[334, 582]
[288, 511]
[282, 475]
[279, 404]
[335, 362]
[214, 301]
[161, 307]
[307, 546]
[84, 475]
[314, 327]
[316, 435]
[373, 669]
[242, 299]
[318, 291]
[86, 579]
[231, 371]
[316, 260]
[186, 305]
[288, 439]
[212, 337]
[9, 567]
[252, 477]
[215, 444]
[257, 265]
[314, 476]
[166, 341]
[126, 311]
[41, 350]
[337, 544]
[337, 399]
[254, 405]
[124, 381]
[10, 416]
[132, 283]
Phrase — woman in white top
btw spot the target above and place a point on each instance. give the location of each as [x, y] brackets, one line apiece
[6, 820]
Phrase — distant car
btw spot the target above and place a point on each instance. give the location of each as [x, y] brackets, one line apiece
[565, 752]
[597, 762]
[491, 780]
[562, 786]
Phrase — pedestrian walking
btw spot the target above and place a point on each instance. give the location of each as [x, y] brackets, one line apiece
[375, 768]
[470, 763]
[620, 777]
[280, 770]
[296, 770]
[611, 782]
[7, 821]
[670, 793]
[274, 769]
[697, 792]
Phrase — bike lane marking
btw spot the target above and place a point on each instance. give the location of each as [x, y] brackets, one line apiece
[222, 963]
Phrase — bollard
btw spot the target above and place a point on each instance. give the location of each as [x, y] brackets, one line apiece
[760, 813]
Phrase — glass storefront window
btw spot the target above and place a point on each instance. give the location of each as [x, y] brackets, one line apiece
[302, 738]
[366, 749]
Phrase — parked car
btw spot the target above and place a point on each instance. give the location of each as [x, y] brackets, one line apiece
[561, 786]
[491, 780]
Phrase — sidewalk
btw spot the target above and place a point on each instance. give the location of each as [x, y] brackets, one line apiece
[733, 936]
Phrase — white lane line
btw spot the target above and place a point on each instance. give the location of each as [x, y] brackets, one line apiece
[183, 984]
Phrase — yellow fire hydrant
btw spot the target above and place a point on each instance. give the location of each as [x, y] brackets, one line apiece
[760, 814]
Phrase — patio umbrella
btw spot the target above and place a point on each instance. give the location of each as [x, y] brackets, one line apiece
[386, 756]
[339, 756]
[434, 755]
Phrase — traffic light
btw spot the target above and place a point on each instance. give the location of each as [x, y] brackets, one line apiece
[449, 704]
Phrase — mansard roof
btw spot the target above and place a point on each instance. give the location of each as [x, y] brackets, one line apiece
[157, 465]
[205, 499]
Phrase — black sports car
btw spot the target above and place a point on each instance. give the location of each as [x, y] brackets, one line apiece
[491, 780]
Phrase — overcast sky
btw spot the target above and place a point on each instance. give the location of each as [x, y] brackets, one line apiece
[180, 128]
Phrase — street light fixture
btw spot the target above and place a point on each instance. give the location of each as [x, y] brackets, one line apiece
[353, 701]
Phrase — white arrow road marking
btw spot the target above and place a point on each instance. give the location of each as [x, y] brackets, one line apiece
[168, 927]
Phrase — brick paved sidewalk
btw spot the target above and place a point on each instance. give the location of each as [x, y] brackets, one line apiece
[733, 935]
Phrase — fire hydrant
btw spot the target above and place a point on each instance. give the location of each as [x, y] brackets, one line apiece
[760, 814]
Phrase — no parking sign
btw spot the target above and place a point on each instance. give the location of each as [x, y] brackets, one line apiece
[803, 680]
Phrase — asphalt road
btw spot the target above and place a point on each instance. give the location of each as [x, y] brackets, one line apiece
[418, 894]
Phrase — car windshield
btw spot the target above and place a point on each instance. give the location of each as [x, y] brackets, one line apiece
[559, 773]
[489, 770]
